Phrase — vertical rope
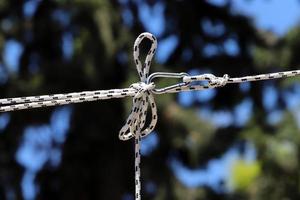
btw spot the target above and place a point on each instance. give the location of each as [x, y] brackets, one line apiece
[137, 163]
[135, 124]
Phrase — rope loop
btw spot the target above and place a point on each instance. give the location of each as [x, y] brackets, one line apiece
[143, 70]
[135, 124]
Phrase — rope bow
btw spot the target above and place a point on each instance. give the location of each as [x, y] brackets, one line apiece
[135, 124]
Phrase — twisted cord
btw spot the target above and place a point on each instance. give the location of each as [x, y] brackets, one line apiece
[135, 124]
[215, 82]
[22, 103]
[112, 93]
[142, 93]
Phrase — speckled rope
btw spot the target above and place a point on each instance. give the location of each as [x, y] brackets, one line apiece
[135, 123]
[214, 81]
[142, 93]
[102, 94]
[21, 103]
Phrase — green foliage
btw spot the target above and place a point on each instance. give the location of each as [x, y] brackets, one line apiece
[244, 174]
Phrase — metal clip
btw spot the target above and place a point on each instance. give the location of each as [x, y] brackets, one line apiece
[167, 75]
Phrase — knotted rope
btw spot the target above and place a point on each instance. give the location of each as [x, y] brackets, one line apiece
[143, 98]
[135, 123]
[142, 93]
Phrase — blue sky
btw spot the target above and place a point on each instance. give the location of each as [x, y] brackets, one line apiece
[277, 16]
[274, 15]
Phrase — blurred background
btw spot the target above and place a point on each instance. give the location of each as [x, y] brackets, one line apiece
[237, 142]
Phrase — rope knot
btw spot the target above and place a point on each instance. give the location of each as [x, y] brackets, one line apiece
[135, 124]
[219, 81]
[141, 88]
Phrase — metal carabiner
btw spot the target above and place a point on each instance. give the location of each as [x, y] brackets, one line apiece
[167, 75]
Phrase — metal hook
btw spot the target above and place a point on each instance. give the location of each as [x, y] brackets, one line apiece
[167, 75]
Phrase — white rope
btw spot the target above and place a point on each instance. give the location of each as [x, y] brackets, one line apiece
[214, 81]
[142, 93]
[136, 121]
[22, 103]
[113, 93]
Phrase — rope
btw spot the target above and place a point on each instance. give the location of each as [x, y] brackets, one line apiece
[142, 93]
[136, 120]
[22, 103]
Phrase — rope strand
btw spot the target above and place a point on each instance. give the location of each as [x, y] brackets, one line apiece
[22, 103]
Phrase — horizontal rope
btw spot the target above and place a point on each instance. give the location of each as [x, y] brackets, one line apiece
[22, 103]
[215, 81]
[112, 93]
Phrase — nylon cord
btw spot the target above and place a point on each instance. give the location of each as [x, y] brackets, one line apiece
[142, 93]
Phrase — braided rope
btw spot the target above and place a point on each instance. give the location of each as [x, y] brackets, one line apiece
[214, 81]
[142, 93]
[136, 120]
[22, 103]
[113, 93]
